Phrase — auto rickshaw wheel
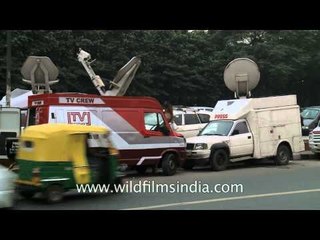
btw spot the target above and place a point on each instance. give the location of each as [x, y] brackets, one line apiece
[27, 194]
[54, 194]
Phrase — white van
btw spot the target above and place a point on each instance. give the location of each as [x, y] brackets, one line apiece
[139, 128]
[189, 123]
[248, 128]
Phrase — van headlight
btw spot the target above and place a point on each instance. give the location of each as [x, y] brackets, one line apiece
[200, 146]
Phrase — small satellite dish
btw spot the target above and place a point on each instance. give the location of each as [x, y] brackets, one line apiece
[119, 85]
[40, 72]
[241, 76]
[123, 79]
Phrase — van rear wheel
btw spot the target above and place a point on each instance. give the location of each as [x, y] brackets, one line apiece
[219, 160]
[283, 155]
[169, 164]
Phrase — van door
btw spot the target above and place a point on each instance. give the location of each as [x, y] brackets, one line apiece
[241, 141]
[56, 116]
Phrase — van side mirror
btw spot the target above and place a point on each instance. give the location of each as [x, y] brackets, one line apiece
[235, 132]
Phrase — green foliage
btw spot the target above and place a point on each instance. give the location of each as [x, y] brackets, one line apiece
[178, 66]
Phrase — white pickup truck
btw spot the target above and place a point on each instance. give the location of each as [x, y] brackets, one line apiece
[248, 128]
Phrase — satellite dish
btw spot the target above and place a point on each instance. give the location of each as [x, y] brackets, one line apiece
[40, 72]
[123, 79]
[241, 76]
[119, 85]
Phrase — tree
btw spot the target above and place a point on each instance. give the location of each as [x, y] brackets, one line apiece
[178, 66]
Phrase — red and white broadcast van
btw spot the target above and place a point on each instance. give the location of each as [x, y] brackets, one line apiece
[139, 128]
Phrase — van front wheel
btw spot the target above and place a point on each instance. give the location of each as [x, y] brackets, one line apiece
[219, 160]
[169, 164]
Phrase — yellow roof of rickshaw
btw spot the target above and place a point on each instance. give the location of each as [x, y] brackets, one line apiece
[49, 129]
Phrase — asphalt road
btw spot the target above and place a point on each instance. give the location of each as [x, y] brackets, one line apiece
[260, 186]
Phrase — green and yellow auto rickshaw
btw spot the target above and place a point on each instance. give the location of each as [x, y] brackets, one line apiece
[53, 158]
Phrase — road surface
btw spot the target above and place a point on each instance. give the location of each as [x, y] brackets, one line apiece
[260, 186]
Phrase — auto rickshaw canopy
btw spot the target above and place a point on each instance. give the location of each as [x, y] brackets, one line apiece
[57, 142]
[51, 129]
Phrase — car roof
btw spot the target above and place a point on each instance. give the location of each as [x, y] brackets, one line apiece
[184, 111]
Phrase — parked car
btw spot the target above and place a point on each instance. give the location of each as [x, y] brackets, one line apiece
[310, 118]
[314, 141]
[189, 123]
[7, 187]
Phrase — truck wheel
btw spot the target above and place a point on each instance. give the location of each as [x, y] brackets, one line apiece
[219, 160]
[188, 165]
[54, 194]
[169, 164]
[141, 169]
[283, 155]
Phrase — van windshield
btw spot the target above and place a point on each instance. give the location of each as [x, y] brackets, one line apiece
[217, 127]
[152, 121]
[309, 113]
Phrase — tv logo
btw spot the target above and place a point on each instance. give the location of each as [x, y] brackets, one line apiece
[83, 118]
[220, 116]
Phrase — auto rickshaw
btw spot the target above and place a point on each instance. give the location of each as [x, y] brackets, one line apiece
[53, 158]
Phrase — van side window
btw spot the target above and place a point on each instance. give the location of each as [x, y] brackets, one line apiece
[152, 121]
[205, 118]
[191, 119]
[178, 119]
[242, 127]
